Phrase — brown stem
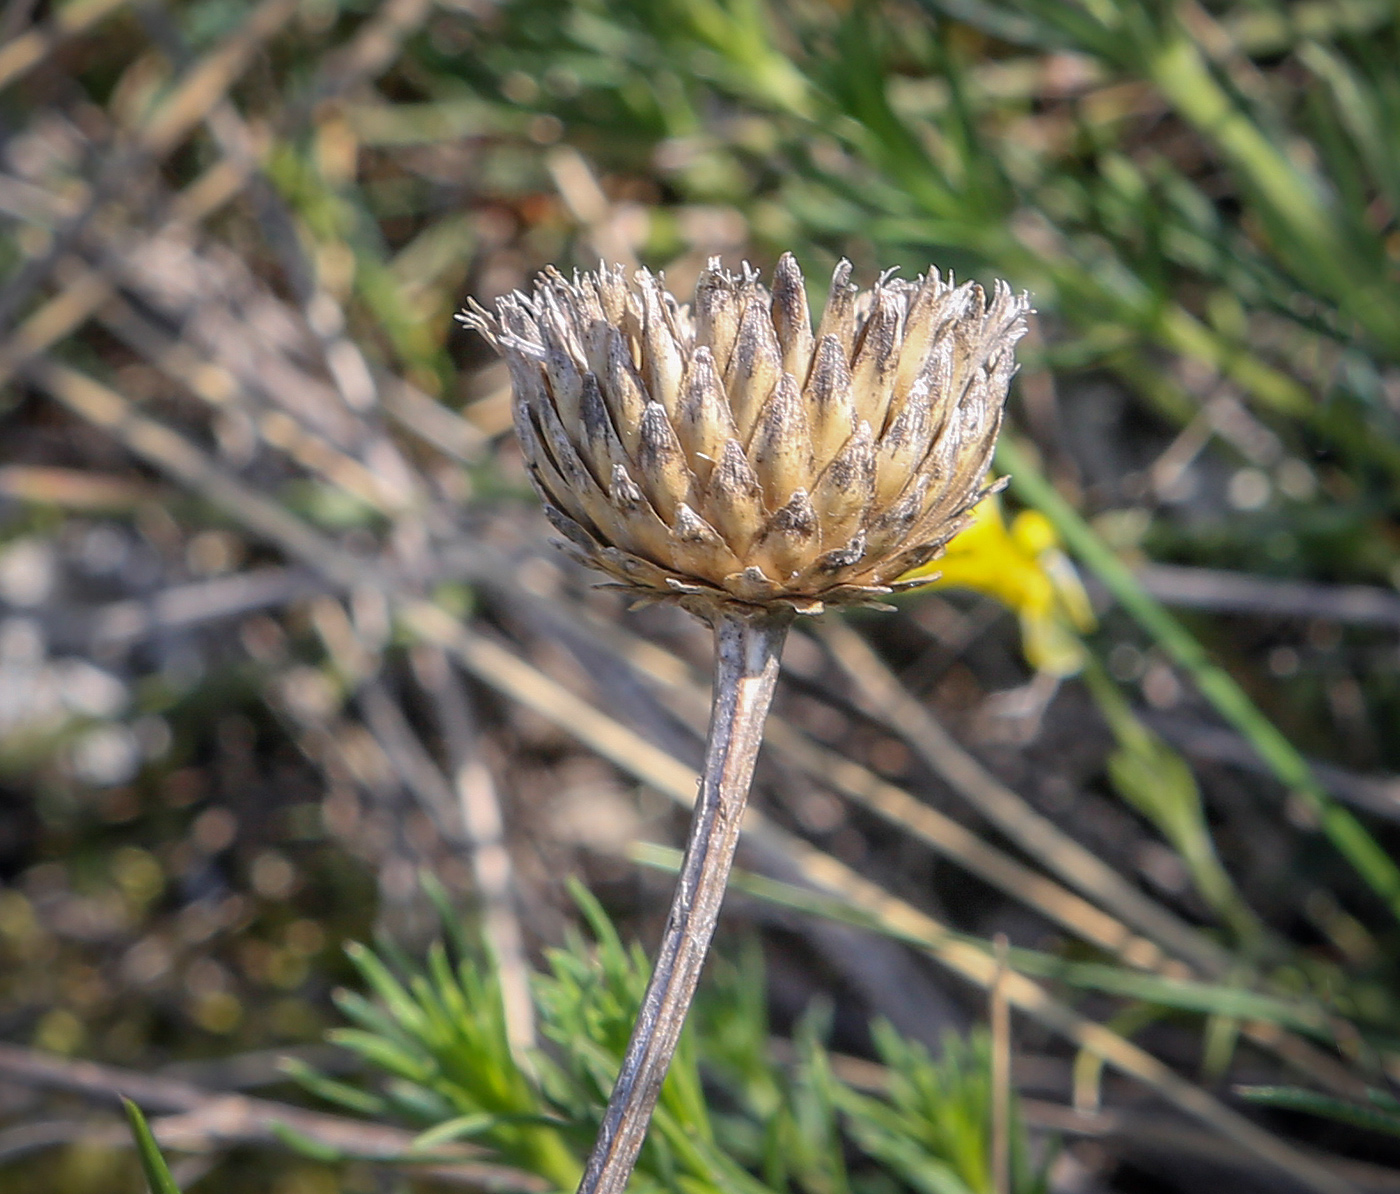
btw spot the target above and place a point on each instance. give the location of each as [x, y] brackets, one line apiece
[747, 647]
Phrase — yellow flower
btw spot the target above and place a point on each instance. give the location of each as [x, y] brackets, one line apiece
[1023, 567]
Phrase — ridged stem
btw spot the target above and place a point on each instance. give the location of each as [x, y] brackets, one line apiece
[747, 649]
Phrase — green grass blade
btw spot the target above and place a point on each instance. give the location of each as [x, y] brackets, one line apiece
[307, 1146]
[157, 1172]
[463, 1127]
[1292, 1098]
[342, 1094]
[1346, 833]
[1213, 999]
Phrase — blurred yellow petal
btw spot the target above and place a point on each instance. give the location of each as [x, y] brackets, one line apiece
[1051, 646]
[1033, 533]
[1023, 568]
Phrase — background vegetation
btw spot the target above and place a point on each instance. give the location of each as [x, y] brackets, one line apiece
[280, 632]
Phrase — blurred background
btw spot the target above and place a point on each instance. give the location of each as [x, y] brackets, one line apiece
[281, 631]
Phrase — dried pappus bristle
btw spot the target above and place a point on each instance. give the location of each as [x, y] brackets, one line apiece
[734, 455]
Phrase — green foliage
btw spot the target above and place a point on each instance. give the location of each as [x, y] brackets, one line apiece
[1380, 1112]
[440, 1037]
[435, 1035]
[152, 1163]
[934, 1127]
[1347, 833]
[1154, 779]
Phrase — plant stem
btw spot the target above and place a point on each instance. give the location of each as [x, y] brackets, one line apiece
[747, 649]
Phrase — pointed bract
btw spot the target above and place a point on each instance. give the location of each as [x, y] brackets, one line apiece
[830, 403]
[791, 319]
[734, 500]
[839, 315]
[755, 366]
[781, 448]
[876, 360]
[717, 311]
[703, 419]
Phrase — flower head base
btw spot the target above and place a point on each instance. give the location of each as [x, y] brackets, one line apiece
[730, 453]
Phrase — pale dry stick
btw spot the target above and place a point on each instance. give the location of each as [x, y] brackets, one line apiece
[205, 84]
[380, 756]
[223, 597]
[1221, 590]
[464, 810]
[518, 680]
[884, 698]
[893, 804]
[1150, 1132]
[370, 52]
[21, 54]
[71, 489]
[175, 456]
[307, 420]
[432, 422]
[351, 380]
[221, 389]
[485, 840]
[196, 1118]
[299, 429]
[201, 90]
[416, 769]
[197, 92]
[578, 187]
[1030, 997]
[1137, 1060]
[373, 49]
[896, 806]
[1157, 1136]
[89, 288]
[1000, 1018]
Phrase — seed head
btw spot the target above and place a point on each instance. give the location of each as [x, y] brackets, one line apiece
[726, 453]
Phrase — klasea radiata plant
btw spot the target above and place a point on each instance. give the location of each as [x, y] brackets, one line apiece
[732, 459]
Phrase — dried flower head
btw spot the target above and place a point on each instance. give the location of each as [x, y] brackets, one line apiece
[729, 453]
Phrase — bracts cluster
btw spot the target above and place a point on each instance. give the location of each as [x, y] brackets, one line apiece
[729, 453]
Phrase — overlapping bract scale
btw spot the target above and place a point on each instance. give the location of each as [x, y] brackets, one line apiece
[730, 451]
